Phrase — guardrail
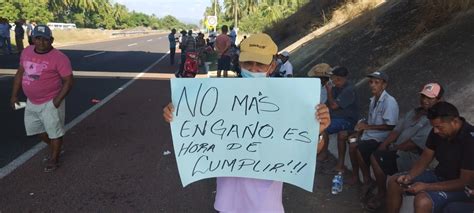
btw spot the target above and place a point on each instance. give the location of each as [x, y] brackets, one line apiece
[125, 33]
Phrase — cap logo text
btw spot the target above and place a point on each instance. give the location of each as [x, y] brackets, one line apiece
[257, 45]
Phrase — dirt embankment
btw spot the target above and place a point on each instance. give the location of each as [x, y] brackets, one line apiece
[397, 39]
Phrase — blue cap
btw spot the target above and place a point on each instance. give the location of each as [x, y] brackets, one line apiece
[42, 31]
[378, 75]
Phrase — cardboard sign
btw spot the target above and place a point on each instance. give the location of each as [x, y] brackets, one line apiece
[262, 128]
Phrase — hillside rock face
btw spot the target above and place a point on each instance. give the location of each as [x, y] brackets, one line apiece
[393, 38]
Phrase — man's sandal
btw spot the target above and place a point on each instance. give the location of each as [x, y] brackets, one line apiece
[51, 167]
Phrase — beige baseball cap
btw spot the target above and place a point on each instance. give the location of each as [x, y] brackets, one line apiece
[259, 48]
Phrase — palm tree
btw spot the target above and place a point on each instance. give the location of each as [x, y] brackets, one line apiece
[232, 7]
[250, 6]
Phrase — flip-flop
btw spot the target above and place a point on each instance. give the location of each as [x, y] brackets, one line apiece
[333, 171]
[46, 158]
[365, 190]
[51, 167]
[373, 204]
[323, 161]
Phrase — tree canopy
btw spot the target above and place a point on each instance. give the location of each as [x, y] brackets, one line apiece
[85, 13]
[253, 15]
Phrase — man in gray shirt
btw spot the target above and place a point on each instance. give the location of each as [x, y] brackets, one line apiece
[383, 116]
[404, 143]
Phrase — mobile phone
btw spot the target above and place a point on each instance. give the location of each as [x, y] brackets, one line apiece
[468, 190]
[405, 186]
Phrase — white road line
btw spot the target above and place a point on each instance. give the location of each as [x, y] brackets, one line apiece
[149, 40]
[9, 168]
[132, 44]
[94, 54]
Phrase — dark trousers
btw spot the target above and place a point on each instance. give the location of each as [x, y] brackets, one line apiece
[30, 40]
[183, 59]
[172, 53]
[19, 44]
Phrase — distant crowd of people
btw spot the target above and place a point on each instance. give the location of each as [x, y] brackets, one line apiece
[224, 46]
[20, 26]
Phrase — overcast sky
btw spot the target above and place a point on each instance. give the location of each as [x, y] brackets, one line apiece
[184, 10]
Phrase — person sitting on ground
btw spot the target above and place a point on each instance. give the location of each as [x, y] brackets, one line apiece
[404, 144]
[451, 142]
[457, 207]
[236, 194]
[321, 71]
[286, 68]
[382, 118]
[343, 105]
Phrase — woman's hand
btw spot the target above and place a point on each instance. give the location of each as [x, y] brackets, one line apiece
[168, 112]
[322, 115]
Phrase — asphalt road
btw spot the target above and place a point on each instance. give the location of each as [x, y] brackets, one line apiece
[124, 55]
[115, 158]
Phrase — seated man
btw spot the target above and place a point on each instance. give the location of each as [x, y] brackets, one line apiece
[457, 207]
[286, 69]
[321, 71]
[404, 144]
[451, 142]
[343, 106]
[383, 116]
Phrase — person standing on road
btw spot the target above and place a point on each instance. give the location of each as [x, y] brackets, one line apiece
[222, 47]
[182, 47]
[233, 35]
[45, 75]
[29, 29]
[19, 35]
[5, 35]
[172, 40]
[235, 194]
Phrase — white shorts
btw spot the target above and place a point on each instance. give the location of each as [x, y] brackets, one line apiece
[45, 118]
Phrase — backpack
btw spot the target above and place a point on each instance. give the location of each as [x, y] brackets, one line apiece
[191, 65]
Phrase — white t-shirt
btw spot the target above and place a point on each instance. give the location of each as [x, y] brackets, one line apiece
[286, 69]
[233, 36]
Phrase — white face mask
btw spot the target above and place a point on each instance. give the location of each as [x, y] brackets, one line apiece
[247, 74]
[279, 61]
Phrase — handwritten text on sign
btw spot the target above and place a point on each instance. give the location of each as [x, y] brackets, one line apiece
[255, 128]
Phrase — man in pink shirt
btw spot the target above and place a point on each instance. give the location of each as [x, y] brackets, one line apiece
[45, 75]
[223, 44]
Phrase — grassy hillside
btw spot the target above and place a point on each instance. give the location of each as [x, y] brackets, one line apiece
[388, 37]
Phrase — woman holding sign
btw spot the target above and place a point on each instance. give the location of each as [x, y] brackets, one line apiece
[235, 194]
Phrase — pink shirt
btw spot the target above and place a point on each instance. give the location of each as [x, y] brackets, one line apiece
[243, 195]
[222, 44]
[42, 77]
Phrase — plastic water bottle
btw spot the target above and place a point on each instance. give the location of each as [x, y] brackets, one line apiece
[337, 183]
[341, 181]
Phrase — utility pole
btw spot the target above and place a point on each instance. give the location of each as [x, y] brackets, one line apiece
[236, 4]
[215, 8]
